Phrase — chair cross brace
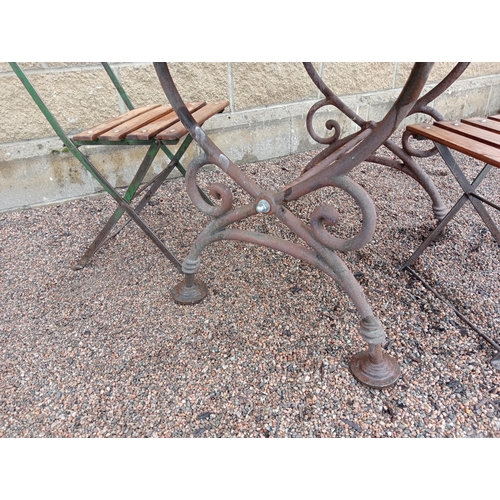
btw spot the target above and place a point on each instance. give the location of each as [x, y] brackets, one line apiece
[480, 139]
[167, 131]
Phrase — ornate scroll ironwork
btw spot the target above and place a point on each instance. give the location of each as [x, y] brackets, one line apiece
[330, 167]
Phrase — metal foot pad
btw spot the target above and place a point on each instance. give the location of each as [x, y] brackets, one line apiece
[496, 361]
[376, 375]
[192, 293]
[80, 264]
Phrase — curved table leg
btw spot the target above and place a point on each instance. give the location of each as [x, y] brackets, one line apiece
[372, 367]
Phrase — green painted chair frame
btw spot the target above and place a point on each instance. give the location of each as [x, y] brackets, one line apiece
[163, 132]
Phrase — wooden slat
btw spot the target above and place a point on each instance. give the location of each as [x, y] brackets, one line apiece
[178, 130]
[495, 117]
[121, 131]
[151, 129]
[476, 133]
[94, 132]
[482, 122]
[478, 150]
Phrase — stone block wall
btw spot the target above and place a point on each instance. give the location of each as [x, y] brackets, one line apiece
[265, 118]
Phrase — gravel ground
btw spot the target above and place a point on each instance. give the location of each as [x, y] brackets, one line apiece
[105, 352]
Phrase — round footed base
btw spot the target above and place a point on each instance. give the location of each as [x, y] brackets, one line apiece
[189, 294]
[376, 375]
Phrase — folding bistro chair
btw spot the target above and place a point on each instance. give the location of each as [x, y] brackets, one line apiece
[155, 126]
[478, 138]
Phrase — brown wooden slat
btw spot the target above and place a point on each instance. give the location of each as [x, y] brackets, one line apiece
[151, 129]
[178, 130]
[482, 122]
[476, 133]
[478, 150]
[495, 117]
[94, 132]
[121, 131]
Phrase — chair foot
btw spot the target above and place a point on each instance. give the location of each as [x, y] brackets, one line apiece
[189, 291]
[496, 361]
[80, 264]
[374, 368]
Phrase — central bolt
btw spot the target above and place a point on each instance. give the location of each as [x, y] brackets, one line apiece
[263, 207]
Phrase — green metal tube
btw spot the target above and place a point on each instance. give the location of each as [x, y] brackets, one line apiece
[118, 85]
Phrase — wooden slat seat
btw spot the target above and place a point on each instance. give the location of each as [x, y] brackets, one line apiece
[121, 131]
[201, 116]
[94, 132]
[155, 127]
[476, 137]
[485, 123]
[150, 122]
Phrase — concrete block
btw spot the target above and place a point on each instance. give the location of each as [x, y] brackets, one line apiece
[494, 100]
[482, 68]
[346, 78]
[78, 99]
[464, 99]
[248, 144]
[55, 177]
[194, 81]
[438, 72]
[266, 84]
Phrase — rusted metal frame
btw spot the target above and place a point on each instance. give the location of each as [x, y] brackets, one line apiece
[373, 137]
[101, 238]
[331, 97]
[486, 337]
[369, 367]
[214, 154]
[420, 175]
[320, 254]
[421, 106]
[329, 150]
[87, 164]
[407, 152]
[327, 162]
[416, 173]
[118, 85]
[392, 163]
[443, 223]
[372, 367]
[468, 189]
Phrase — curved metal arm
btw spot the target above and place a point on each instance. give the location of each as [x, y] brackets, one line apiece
[331, 96]
[214, 154]
[421, 105]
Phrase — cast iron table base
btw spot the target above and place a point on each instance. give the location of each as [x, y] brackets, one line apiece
[330, 167]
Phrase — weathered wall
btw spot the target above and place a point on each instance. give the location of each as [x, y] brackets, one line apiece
[265, 118]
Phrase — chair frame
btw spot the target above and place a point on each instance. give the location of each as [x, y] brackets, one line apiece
[134, 189]
[473, 147]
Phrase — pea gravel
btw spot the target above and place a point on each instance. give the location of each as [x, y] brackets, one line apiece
[105, 352]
